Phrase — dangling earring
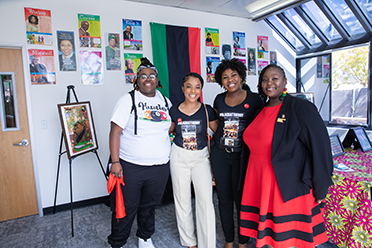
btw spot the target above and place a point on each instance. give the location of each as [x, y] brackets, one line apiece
[281, 98]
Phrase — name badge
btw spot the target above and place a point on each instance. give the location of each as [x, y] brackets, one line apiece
[282, 119]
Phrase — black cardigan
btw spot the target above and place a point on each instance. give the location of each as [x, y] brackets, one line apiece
[301, 151]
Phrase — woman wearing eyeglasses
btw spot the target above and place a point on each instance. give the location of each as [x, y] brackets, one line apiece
[140, 150]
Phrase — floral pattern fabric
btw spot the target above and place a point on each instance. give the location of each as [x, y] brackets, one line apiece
[348, 214]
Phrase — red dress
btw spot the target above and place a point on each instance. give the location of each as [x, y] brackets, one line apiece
[264, 215]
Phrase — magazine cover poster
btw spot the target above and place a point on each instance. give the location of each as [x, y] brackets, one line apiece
[273, 59]
[262, 43]
[38, 26]
[239, 44]
[212, 63]
[91, 67]
[132, 34]
[212, 41]
[131, 63]
[66, 51]
[42, 71]
[261, 65]
[112, 50]
[89, 30]
[252, 61]
[326, 70]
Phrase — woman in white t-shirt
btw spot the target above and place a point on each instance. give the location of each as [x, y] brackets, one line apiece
[140, 147]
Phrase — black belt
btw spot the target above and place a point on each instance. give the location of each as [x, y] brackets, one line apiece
[229, 149]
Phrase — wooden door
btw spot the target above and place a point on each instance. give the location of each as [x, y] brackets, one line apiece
[17, 183]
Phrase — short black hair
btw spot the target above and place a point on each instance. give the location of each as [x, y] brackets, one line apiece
[259, 85]
[36, 18]
[194, 75]
[233, 64]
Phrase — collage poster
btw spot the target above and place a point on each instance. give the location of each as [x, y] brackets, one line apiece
[239, 44]
[113, 61]
[273, 59]
[251, 61]
[132, 34]
[89, 30]
[212, 63]
[262, 47]
[261, 65]
[42, 71]
[66, 51]
[212, 41]
[132, 61]
[91, 67]
[38, 26]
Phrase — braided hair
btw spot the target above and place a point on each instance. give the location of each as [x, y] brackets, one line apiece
[145, 63]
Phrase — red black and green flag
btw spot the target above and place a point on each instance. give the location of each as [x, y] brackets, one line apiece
[176, 52]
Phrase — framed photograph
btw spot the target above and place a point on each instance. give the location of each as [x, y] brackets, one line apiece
[305, 95]
[78, 128]
[336, 145]
[357, 138]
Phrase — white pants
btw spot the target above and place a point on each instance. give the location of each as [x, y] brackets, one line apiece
[193, 166]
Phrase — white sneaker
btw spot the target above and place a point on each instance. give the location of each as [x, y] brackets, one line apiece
[145, 244]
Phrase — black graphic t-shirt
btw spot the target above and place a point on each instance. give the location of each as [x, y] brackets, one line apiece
[234, 120]
[191, 131]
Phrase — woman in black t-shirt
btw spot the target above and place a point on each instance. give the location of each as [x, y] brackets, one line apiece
[235, 109]
[189, 163]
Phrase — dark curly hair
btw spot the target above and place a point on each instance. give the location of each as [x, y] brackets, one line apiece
[259, 85]
[147, 63]
[233, 64]
[36, 19]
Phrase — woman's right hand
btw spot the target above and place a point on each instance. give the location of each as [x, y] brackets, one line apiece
[117, 170]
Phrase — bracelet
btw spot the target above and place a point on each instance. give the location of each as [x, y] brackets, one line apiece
[115, 162]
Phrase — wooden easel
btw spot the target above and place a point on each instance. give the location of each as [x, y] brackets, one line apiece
[69, 89]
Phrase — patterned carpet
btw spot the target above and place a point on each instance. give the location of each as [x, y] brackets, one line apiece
[91, 228]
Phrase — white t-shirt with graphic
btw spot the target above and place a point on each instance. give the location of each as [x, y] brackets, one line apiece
[151, 145]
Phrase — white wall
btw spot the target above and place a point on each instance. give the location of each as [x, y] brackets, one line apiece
[88, 179]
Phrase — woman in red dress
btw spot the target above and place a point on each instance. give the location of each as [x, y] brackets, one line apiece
[289, 169]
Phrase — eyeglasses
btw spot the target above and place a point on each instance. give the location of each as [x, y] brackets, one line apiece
[144, 76]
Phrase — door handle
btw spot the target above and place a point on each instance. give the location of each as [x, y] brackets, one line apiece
[23, 143]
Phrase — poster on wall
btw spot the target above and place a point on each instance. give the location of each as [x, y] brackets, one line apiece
[212, 63]
[66, 51]
[91, 67]
[226, 51]
[262, 43]
[42, 71]
[319, 67]
[273, 59]
[251, 61]
[89, 30]
[239, 44]
[132, 34]
[261, 65]
[132, 61]
[78, 128]
[38, 26]
[212, 41]
[113, 61]
[326, 70]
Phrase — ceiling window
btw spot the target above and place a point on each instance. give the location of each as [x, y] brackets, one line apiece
[302, 27]
[345, 16]
[285, 32]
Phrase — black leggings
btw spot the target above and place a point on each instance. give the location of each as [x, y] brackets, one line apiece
[226, 171]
